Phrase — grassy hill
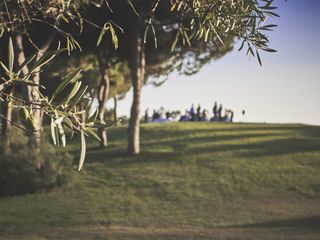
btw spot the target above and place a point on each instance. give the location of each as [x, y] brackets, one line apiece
[192, 181]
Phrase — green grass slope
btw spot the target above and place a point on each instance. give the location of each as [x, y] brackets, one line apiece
[192, 181]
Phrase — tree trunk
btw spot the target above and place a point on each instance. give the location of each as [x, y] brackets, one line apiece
[137, 63]
[31, 93]
[20, 58]
[6, 107]
[37, 112]
[103, 92]
[6, 116]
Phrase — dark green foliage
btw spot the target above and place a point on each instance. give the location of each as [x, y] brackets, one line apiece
[90, 75]
[18, 170]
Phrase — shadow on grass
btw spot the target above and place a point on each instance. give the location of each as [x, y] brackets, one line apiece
[120, 157]
[262, 149]
[173, 129]
[208, 139]
[165, 143]
[305, 224]
[151, 131]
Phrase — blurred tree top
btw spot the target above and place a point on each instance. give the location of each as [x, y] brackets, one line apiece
[194, 31]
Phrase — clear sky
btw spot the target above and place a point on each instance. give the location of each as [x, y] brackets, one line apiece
[285, 90]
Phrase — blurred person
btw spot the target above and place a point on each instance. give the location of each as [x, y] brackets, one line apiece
[192, 113]
[146, 115]
[219, 112]
[215, 110]
[204, 116]
[231, 116]
[198, 118]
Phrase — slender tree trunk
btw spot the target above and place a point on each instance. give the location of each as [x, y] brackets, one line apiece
[103, 92]
[20, 57]
[6, 108]
[37, 112]
[137, 63]
[6, 116]
[31, 93]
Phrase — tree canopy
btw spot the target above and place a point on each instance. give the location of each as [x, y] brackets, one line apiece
[152, 38]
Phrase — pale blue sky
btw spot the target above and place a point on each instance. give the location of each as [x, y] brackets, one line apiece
[285, 89]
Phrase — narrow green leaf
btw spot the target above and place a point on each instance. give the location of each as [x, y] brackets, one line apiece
[186, 37]
[200, 32]
[272, 13]
[53, 134]
[106, 125]
[180, 5]
[242, 45]
[47, 57]
[108, 6]
[145, 34]
[93, 134]
[103, 31]
[4, 67]
[269, 50]
[64, 83]
[76, 44]
[77, 97]
[11, 56]
[206, 36]
[30, 83]
[83, 151]
[114, 38]
[24, 113]
[72, 134]
[93, 117]
[133, 8]
[174, 43]
[2, 86]
[68, 122]
[61, 134]
[154, 36]
[173, 6]
[258, 57]
[56, 132]
[73, 92]
[26, 62]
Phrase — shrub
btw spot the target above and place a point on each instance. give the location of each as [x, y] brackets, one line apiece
[18, 172]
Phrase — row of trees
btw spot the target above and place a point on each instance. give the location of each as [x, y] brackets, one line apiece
[123, 43]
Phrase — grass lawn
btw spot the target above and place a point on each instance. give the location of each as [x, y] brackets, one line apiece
[192, 181]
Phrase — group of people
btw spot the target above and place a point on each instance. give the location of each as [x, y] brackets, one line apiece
[191, 115]
[217, 114]
[161, 115]
[199, 114]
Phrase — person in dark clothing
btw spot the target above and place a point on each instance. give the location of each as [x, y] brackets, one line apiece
[192, 113]
[168, 115]
[154, 115]
[186, 117]
[198, 113]
[215, 109]
[146, 115]
[219, 112]
[204, 116]
[231, 116]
